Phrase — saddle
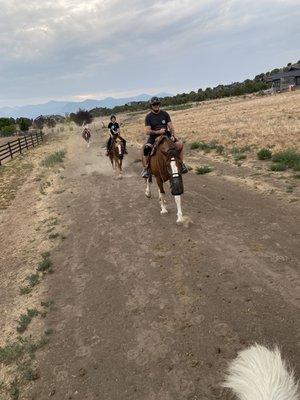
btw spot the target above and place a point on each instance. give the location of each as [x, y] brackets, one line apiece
[177, 144]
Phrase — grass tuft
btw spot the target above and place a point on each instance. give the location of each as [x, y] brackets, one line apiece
[264, 154]
[205, 169]
[278, 167]
[25, 319]
[54, 158]
[46, 264]
[290, 158]
[33, 279]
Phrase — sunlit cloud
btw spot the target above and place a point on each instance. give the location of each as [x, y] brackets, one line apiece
[67, 47]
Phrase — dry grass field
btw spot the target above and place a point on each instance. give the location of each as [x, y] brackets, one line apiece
[234, 122]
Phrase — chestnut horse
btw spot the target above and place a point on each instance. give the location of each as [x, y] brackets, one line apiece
[116, 154]
[165, 165]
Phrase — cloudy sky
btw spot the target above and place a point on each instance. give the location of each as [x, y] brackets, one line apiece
[74, 49]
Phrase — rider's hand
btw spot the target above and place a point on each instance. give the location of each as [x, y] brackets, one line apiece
[162, 131]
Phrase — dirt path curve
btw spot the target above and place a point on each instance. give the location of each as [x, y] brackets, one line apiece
[147, 310]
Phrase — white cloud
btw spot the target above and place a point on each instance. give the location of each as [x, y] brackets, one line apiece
[75, 40]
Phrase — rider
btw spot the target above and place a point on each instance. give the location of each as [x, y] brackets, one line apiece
[114, 131]
[157, 122]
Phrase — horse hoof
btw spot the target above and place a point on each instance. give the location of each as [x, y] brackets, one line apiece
[164, 212]
[179, 221]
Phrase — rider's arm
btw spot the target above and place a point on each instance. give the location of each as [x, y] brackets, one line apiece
[149, 131]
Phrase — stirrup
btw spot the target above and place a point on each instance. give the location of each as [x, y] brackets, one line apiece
[184, 169]
[145, 173]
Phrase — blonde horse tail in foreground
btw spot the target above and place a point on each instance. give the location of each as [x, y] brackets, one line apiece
[260, 374]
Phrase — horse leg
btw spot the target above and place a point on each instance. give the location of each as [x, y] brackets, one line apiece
[161, 195]
[179, 210]
[112, 161]
[163, 202]
[148, 190]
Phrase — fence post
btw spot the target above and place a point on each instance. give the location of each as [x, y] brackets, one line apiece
[20, 148]
[37, 138]
[9, 147]
[26, 144]
[32, 140]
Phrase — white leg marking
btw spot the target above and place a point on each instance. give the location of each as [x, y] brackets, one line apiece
[148, 191]
[174, 167]
[179, 210]
[162, 200]
[120, 149]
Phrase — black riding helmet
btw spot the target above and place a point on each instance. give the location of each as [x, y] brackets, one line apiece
[154, 100]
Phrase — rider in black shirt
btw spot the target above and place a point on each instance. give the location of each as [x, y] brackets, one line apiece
[114, 131]
[157, 122]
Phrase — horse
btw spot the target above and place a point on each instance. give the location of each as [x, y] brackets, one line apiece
[165, 165]
[116, 154]
[86, 134]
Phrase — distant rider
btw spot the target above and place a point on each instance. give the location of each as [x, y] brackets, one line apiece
[157, 123]
[114, 131]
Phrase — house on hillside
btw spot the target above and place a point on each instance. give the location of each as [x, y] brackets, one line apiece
[286, 80]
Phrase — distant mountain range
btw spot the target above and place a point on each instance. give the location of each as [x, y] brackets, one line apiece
[66, 107]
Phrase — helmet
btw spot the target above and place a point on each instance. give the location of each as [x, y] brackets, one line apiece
[154, 100]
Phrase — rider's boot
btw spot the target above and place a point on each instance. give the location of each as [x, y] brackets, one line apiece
[184, 168]
[146, 171]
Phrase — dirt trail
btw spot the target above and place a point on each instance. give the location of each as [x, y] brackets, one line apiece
[145, 309]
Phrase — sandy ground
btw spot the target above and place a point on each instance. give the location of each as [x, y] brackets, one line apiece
[146, 309]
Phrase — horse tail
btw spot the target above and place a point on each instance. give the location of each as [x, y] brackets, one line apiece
[259, 373]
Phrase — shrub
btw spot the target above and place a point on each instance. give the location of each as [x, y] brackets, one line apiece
[264, 154]
[205, 169]
[220, 149]
[278, 167]
[8, 130]
[195, 145]
[290, 158]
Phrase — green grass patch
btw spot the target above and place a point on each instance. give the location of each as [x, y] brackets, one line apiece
[33, 279]
[220, 149]
[47, 304]
[54, 158]
[53, 236]
[277, 167]
[25, 290]
[264, 154]
[201, 170]
[25, 319]
[290, 158]
[46, 264]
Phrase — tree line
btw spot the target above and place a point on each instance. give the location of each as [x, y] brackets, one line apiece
[9, 126]
[260, 83]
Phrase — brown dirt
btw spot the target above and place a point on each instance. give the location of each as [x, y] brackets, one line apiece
[145, 309]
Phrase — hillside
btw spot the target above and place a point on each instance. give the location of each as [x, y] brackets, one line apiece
[234, 122]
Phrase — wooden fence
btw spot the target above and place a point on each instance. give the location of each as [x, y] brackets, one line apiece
[18, 146]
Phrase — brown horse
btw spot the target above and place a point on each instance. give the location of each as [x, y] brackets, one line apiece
[116, 154]
[165, 165]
